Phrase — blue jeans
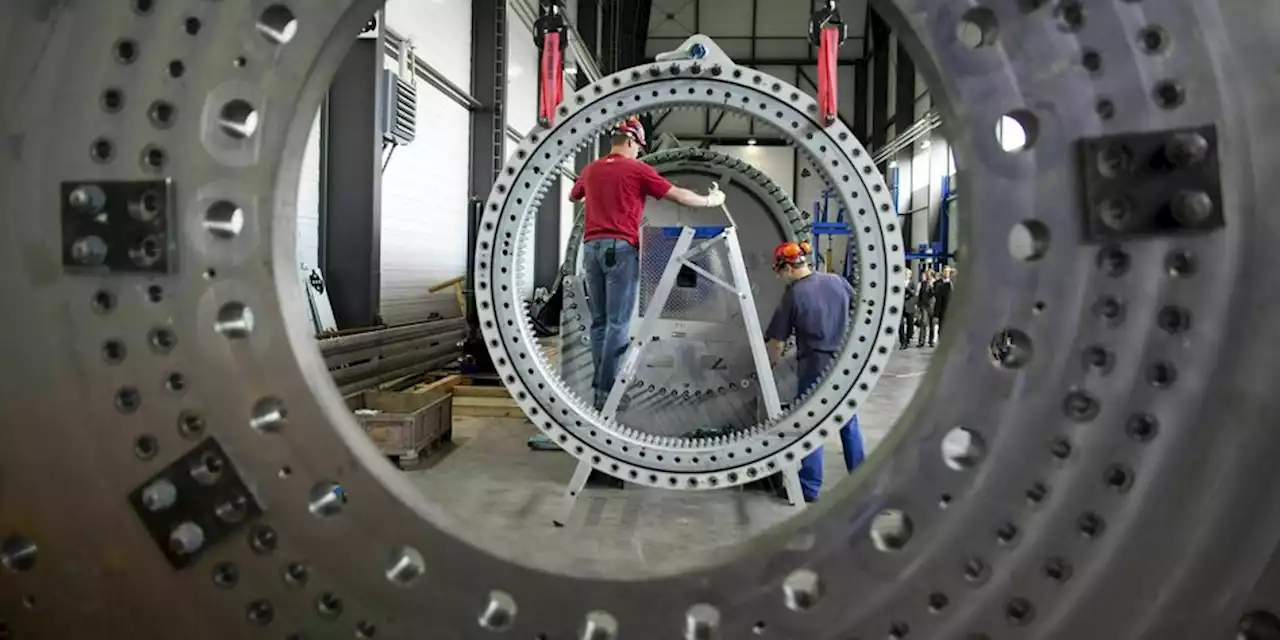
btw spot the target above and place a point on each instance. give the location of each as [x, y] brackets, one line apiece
[811, 466]
[611, 298]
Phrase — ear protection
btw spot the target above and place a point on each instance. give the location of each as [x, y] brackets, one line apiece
[790, 253]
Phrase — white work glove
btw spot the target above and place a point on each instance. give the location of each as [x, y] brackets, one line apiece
[715, 197]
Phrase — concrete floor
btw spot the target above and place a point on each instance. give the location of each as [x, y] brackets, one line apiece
[498, 494]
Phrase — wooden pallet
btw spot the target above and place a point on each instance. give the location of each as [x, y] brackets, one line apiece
[486, 402]
[409, 462]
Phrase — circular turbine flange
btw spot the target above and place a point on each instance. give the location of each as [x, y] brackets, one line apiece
[662, 460]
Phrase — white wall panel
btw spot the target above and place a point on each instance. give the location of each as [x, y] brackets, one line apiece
[424, 211]
[308, 230]
[522, 76]
[779, 163]
[441, 33]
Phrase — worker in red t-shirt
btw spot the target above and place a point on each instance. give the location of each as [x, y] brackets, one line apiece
[615, 188]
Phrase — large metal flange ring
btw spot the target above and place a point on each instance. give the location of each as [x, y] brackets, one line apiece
[663, 461]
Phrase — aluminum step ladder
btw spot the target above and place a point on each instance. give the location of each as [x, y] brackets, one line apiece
[682, 257]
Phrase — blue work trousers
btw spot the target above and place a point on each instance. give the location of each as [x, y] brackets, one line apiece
[850, 439]
[611, 297]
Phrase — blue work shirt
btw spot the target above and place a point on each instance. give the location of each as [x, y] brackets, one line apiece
[815, 309]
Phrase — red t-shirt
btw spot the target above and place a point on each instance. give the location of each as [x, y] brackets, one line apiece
[616, 188]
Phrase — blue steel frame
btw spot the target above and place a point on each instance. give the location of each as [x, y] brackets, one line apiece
[933, 254]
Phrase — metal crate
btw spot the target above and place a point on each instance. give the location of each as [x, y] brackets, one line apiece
[406, 425]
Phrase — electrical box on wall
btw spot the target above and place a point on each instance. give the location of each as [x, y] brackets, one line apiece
[399, 110]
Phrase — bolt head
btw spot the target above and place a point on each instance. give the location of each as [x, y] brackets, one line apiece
[1115, 213]
[79, 198]
[1192, 208]
[89, 251]
[1186, 149]
[187, 538]
[159, 495]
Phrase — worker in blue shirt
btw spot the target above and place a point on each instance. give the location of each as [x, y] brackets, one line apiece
[815, 309]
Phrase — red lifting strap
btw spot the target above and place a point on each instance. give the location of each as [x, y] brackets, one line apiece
[552, 89]
[828, 83]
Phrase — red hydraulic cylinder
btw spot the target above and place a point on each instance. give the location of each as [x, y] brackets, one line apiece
[551, 91]
[828, 80]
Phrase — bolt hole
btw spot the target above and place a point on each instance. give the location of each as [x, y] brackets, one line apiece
[1142, 427]
[128, 400]
[1169, 94]
[192, 26]
[1153, 39]
[1090, 524]
[146, 447]
[1106, 109]
[1113, 261]
[154, 157]
[1010, 349]
[235, 321]
[162, 340]
[1162, 375]
[978, 28]
[190, 425]
[260, 612]
[263, 540]
[113, 351]
[802, 590]
[1258, 625]
[295, 574]
[975, 570]
[126, 51]
[112, 100]
[1180, 264]
[143, 7]
[962, 449]
[175, 382]
[102, 150]
[1070, 16]
[1174, 319]
[365, 630]
[176, 69]
[238, 119]
[890, 530]
[224, 220]
[1019, 611]
[226, 575]
[938, 601]
[18, 554]
[1118, 477]
[278, 24]
[1037, 493]
[1092, 61]
[1028, 240]
[155, 293]
[1097, 358]
[1017, 131]
[1057, 569]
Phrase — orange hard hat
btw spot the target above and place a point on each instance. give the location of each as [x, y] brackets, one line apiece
[790, 253]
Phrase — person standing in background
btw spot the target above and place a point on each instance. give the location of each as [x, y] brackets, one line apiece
[942, 297]
[906, 328]
[924, 310]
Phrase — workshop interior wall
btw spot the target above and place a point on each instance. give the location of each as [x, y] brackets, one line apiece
[307, 232]
[425, 187]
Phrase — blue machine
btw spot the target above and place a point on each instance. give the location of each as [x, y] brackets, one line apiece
[930, 255]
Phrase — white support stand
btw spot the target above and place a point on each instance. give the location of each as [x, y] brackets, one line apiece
[682, 257]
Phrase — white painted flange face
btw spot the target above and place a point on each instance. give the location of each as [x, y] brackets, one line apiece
[666, 461]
